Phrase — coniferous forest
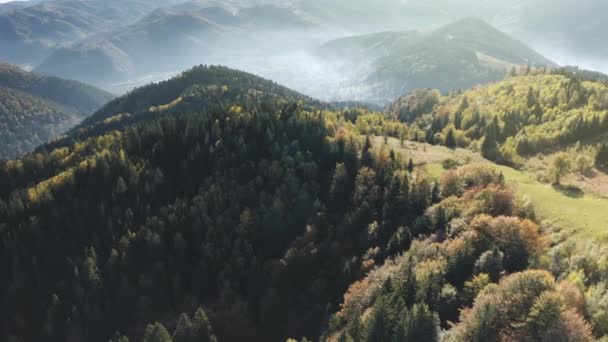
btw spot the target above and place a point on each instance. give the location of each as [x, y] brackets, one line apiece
[218, 206]
[303, 170]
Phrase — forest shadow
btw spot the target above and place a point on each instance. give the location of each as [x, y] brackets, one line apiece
[569, 190]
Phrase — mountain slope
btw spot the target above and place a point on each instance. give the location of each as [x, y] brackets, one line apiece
[27, 121]
[82, 97]
[459, 55]
[529, 113]
[243, 174]
[187, 34]
[238, 209]
[35, 109]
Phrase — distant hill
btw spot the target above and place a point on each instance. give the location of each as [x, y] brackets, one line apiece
[187, 34]
[456, 56]
[555, 36]
[30, 31]
[34, 109]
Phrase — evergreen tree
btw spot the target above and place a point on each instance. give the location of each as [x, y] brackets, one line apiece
[450, 139]
[410, 166]
[458, 115]
[377, 328]
[489, 146]
[201, 328]
[339, 191]
[366, 153]
[531, 98]
[156, 333]
[601, 158]
[419, 324]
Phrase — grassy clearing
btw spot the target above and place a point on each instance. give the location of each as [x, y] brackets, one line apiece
[583, 217]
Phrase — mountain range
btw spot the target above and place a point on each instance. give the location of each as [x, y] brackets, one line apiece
[187, 34]
[34, 29]
[31, 30]
[372, 68]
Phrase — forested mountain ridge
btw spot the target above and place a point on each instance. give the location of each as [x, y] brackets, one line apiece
[199, 88]
[532, 111]
[34, 109]
[80, 96]
[459, 55]
[243, 181]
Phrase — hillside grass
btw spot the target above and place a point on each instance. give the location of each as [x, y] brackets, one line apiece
[580, 217]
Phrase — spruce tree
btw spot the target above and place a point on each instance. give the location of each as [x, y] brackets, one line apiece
[366, 154]
[601, 159]
[450, 139]
[489, 147]
[410, 166]
[156, 333]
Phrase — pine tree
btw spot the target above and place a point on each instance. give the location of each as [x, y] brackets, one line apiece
[430, 137]
[489, 147]
[450, 139]
[601, 159]
[435, 194]
[201, 328]
[419, 324]
[410, 166]
[377, 330]
[339, 191]
[531, 98]
[156, 333]
[366, 154]
[458, 115]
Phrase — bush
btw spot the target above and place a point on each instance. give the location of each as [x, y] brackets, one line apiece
[584, 165]
[450, 164]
